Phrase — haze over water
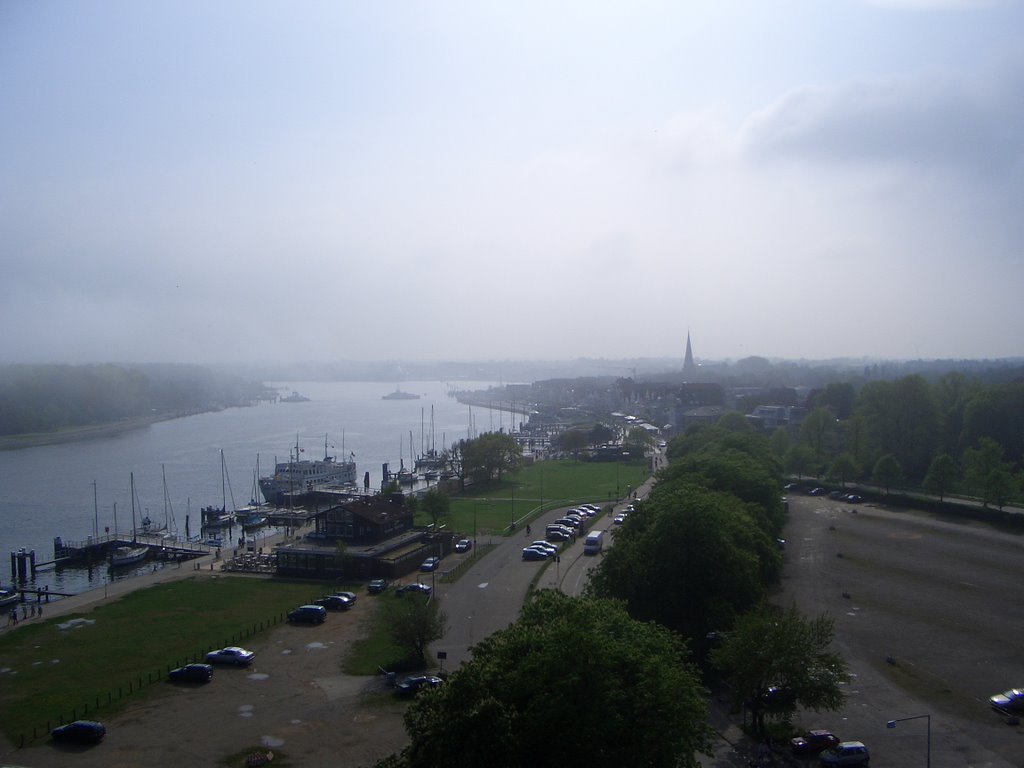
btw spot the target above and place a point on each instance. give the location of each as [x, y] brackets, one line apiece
[48, 490]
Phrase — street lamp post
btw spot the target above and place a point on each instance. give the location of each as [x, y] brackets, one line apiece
[928, 753]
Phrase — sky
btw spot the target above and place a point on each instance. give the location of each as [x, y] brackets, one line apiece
[249, 181]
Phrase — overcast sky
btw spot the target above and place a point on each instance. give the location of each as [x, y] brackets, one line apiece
[292, 181]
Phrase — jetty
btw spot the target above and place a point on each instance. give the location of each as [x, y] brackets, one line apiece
[96, 550]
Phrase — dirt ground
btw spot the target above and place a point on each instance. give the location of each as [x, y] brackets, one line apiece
[927, 615]
[293, 699]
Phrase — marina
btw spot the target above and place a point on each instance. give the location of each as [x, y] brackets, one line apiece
[177, 471]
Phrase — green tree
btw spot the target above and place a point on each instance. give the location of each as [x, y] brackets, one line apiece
[600, 433]
[843, 468]
[777, 660]
[818, 432]
[435, 503]
[1000, 487]
[779, 442]
[902, 417]
[638, 441]
[489, 456]
[572, 677]
[979, 463]
[887, 472]
[413, 622]
[839, 397]
[941, 476]
[692, 561]
[734, 421]
[799, 460]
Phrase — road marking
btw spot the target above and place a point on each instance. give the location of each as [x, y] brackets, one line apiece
[482, 585]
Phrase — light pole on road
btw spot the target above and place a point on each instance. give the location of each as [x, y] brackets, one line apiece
[928, 753]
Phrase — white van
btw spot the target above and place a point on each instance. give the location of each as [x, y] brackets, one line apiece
[593, 543]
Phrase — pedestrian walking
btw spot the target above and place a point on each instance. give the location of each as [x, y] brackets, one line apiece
[39, 611]
[12, 617]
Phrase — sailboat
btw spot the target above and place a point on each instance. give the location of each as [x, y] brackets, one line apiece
[214, 517]
[122, 556]
[252, 515]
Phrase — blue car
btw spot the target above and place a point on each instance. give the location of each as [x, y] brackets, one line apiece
[535, 553]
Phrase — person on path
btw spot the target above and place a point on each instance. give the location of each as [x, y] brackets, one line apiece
[13, 618]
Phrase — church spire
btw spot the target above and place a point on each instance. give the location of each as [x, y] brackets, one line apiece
[689, 366]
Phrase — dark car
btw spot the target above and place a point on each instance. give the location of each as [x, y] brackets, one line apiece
[350, 596]
[334, 602]
[430, 564]
[308, 614]
[80, 732]
[1008, 701]
[376, 586]
[817, 492]
[535, 553]
[415, 588]
[853, 498]
[191, 673]
[240, 657]
[463, 545]
[415, 683]
[813, 742]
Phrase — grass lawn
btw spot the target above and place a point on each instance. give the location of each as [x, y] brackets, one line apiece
[531, 490]
[48, 674]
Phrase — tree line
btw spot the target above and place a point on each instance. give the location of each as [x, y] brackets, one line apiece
[955, 434]
[45, 398]
[617, 676]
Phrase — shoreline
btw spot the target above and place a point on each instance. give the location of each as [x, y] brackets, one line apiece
[87, 432]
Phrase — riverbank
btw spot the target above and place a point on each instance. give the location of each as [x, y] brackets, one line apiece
[87, 432]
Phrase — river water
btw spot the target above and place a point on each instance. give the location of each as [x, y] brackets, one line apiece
[47, 491]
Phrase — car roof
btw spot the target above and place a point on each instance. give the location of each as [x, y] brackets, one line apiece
[851, 745]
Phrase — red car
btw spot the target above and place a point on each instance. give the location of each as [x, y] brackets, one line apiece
[813, 742]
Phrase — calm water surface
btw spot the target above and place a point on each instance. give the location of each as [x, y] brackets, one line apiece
[48, 491]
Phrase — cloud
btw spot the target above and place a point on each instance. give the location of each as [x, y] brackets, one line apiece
[928, 122]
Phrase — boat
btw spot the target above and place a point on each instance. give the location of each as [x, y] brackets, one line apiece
[122, 556]
[294, 397]
[129, 555]
[8, 597]
[398, 394]
[300, 476]
[253, 521]
[220, 517]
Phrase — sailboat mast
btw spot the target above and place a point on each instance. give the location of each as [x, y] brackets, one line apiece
[95, 513]
[132, 484]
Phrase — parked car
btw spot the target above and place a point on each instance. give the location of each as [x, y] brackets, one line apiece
[463, 545]
[308, 614]
[415, 683]
[191, 673]
[350, 596]
[430, 564]
[545, 545]
[414, 588]
[240, 657]
[80, 732]
[533, 553]
[817, 492]
[846, 753]
[376, 586]
[1008, 701]
[620, 518]
[558, 536]
[853, 498]
[813, 742]
[334, 602]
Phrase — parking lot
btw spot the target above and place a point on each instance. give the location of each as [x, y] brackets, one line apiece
[927, 614]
